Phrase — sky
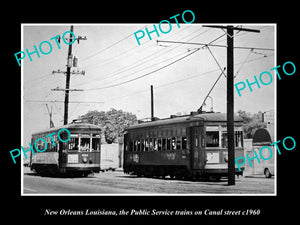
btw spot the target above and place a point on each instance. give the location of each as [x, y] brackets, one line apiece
[119, 72]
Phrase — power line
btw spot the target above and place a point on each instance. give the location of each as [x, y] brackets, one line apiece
[214, 45]
[110, 46]
[150, 66]
[145, 59]
[187, 78]
[144, 75]
[106, 61]
[57, 101]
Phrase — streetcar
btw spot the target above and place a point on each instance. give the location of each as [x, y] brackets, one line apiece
[184, 147]
[79, 156]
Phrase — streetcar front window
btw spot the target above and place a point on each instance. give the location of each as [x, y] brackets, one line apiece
[238, 139]
[224, 140]
[85, 144]
[74, 142]
[96, 144]
[212, 139]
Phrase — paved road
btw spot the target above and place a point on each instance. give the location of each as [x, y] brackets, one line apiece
[120, 183]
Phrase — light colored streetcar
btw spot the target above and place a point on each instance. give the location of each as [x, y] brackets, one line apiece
[80, 155]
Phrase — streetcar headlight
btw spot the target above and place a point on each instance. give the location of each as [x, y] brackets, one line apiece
[84, 159]
[226, 158]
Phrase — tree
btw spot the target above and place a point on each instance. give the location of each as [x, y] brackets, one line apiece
[113, 122]
[251, 122]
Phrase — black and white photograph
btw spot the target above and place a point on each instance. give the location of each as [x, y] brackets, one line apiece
[145, 107]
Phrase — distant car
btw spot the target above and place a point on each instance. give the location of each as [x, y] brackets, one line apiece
[108, 164]
[269, 171]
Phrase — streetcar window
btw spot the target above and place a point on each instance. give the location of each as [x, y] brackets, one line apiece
[51, 147]
[224, 140]
[212, 139]
[155, 147]
[130, 147]
[151, 146]
[146, 145]
[138, 146]
[184, 141]
[40, 145]
[95, 144]
[164, 144]
[169, 143]
[159, 144]
[73, 143]
[143, 145]
[239, 139]
[85, 144]
[173, 145]
[178, 143]
[135, 146]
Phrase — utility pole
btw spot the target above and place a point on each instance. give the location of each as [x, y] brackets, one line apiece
[68, 73]
[230, 106]
[152, 104]
[230, 97]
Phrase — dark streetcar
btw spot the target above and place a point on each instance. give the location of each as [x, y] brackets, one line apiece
[191, 146]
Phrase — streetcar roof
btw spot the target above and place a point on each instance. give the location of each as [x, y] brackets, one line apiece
[71, 127]
[206, 117]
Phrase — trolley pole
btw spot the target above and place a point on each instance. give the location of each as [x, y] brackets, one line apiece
[230, 97]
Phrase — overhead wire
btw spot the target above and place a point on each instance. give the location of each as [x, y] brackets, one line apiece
[143, 60]
[108, 47]
[113, 58]
[185, 79]
[144, 75]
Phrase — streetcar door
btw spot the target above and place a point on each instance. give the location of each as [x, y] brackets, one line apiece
[198, 156]
[125, 149]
